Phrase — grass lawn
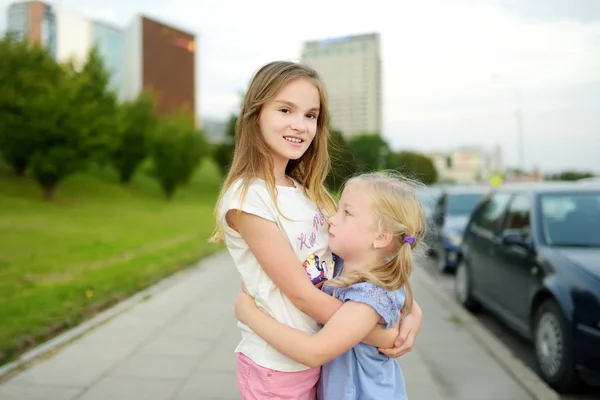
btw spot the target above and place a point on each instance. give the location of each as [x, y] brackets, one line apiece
[95, 244]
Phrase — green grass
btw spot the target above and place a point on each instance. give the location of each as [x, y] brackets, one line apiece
[95, 244]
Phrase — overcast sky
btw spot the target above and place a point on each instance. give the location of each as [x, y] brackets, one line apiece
[453, 70]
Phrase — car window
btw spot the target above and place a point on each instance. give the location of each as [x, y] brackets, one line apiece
[489, 216]
[518, 214]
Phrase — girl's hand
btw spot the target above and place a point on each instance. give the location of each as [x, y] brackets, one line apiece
[409, 329]
[244, 305]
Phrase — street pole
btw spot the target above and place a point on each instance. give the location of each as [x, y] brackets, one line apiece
[520, 139]
[518, 117]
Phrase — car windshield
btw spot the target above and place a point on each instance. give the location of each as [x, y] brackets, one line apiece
[462, 203]
[571, 219]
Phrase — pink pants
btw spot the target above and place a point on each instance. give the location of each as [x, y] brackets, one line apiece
[260, 383]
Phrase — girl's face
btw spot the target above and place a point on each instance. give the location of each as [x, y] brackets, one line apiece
[288, 122]
[353, 228]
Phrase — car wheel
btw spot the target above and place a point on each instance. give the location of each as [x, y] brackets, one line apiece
[463, 287]
[553, 347]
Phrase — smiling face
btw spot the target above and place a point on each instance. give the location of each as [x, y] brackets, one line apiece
[288, 122]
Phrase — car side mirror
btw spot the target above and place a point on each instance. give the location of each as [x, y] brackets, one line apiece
[515, 238]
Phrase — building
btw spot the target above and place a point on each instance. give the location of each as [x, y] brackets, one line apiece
[351, 69]
[161, 59]
[110, 43]
[78, 34]
[147, 55]
[35, 20]
[467, 164]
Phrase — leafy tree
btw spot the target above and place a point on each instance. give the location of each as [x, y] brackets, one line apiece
[101, 104]
[343, 163]
[75, 123]
[414, 164]
[371, 151]
[28, 76]
[574, 175]
[177, 149]
[223, 152]
[136, 124]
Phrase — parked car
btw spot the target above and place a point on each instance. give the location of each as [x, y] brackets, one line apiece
[531, 256]
[429, 197]
[449, 219]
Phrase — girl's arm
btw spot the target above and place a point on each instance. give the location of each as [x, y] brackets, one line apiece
[274, 254]
[344, 330]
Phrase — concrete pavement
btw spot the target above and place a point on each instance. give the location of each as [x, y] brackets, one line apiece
[178, 344]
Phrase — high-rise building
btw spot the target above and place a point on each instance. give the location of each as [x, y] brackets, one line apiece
[77, 34]
[161, 59]
[145, 56]
[35, 20]
[351, 69]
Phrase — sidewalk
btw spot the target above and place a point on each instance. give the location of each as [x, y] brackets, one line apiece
[178, 344]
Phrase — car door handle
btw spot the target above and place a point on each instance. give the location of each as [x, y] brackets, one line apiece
[534, 270]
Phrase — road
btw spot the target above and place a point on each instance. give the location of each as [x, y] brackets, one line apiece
[519, 347]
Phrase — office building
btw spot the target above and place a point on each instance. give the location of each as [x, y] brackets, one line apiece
[161, 59]
[147, 55]
[351, 69]
[35, 20]
[78, 34]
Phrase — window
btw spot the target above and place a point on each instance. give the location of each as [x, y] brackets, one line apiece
[490, 214]
[517, 217]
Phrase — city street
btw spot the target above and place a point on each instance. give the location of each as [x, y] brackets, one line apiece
[517, 345]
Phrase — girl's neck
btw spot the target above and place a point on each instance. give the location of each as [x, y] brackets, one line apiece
[351, 266]
[281, 179]
[365, 263]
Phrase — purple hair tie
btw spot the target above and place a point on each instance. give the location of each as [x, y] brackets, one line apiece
[409, 239]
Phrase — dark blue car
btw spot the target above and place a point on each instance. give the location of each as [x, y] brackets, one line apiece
[448, 222]
[531, 256]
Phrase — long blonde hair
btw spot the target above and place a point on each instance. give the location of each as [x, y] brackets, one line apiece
[399, 211]
[252, 157]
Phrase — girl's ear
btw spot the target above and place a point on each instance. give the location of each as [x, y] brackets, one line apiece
[383, 240]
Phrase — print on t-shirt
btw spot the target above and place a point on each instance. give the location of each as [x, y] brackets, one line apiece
[318, 270]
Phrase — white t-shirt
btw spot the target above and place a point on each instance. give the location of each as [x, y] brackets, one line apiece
[307, 231]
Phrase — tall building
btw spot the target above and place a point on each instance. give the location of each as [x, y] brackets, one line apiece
[78, 34]
[147, 55]
[161, 59]
[351, 69]
[35, 20]
[110, 43]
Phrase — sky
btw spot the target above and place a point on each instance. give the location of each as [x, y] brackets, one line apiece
[454, 71]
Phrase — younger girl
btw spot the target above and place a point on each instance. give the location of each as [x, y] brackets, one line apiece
[271, 215]
[379, 222]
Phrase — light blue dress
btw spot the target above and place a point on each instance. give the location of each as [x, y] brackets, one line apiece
[363, 373]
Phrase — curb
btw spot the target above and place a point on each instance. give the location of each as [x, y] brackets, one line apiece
[527, 378]
[52, 345]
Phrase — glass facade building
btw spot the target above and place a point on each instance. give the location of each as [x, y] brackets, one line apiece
[34, 20]
[110, 42]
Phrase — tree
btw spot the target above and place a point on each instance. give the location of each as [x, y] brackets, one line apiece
[223, 152]
[176, 150]
[136, 124]
[75, 123]
[371, 151]
[28, 75]
[343, 163]
[574, 175]
[102, 106]
[414, 164]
